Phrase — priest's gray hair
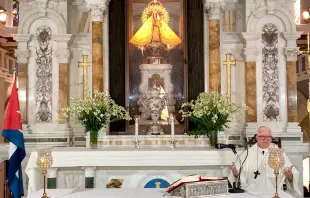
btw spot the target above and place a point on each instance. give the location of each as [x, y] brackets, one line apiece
[262, 128]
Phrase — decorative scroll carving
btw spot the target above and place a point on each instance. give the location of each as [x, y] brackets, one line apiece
[214, 8]
[22, 55]
[63, 55]
[97, 11]
[44, 75]
[270, 76]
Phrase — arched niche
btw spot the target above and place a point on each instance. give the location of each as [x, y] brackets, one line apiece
[281, 18]
[36, 14]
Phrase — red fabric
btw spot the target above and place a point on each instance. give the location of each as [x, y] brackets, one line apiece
[12, 119]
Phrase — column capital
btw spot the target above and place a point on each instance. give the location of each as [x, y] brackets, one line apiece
[251, 54]
[214, 8]
[52, 173]
[251, 51]
[291, 50]
[291, 53]
[250, 36]
[97, 8]
[63, 55]
[64, 38]
[22, 40]
[291, 38]
[22, 55]
[89, 171]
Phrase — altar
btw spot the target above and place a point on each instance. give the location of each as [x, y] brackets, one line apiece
[141, 193]
[79, 168]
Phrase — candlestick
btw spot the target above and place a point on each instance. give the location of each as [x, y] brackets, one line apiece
[136, 144]
[137, 118]
[172, 126]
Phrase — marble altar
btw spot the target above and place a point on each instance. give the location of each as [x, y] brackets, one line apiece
[141, 193]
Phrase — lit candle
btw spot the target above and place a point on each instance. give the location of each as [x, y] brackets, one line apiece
[172, 126]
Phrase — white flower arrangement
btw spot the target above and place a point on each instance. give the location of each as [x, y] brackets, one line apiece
[210, 113]
[94, 112]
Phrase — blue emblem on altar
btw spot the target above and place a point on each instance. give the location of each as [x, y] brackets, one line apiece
[157, 183]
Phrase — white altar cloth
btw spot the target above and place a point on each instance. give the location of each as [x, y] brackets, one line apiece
[140, 193]
[127, 157]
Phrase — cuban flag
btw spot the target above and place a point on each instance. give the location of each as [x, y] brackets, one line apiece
[12, 131]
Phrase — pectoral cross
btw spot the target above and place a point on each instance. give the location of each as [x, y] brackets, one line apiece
[256, 173]
[228, 62]
[84, 64]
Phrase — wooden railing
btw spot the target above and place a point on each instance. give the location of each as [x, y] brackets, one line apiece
[7, 192]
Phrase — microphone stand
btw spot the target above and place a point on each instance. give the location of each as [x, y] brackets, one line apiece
[237, 185]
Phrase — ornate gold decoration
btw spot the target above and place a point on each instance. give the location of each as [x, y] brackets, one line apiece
[155, 36]
[84, 64]
[44, 161]
[155, 7]
[228, 64]
[276, 161]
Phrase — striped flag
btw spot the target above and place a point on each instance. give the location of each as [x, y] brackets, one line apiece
[12, 131]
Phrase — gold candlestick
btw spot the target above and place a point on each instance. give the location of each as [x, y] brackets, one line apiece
[44, 161]
[276, 161]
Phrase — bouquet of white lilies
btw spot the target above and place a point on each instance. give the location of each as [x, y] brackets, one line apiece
[211, 113]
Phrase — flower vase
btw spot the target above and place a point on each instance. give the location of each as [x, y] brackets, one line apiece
[93, 140]
[212, 138]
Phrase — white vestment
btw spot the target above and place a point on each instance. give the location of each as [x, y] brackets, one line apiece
[256, 160]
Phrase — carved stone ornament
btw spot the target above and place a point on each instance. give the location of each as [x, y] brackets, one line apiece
[97, 11]
[251, 54]
[22, 56]
[214, 8]
[41, 3]
[63, 55]
[271, 6]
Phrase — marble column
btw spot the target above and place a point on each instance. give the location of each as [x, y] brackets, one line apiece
[251, 52]
[214, 9]
[52, 178]
[22, 55]
[90, 177]
[251, 91]
[291, 52]
[63, 56]
[97, 11]
[291, 80]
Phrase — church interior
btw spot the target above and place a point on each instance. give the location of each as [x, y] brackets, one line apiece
[121, 93]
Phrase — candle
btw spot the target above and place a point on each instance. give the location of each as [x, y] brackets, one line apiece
[136, 129]
[172, 127]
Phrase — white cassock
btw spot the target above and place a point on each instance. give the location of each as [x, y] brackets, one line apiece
[256, 160]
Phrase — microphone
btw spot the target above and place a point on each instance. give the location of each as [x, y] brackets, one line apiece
[223, 146]
[237, 185]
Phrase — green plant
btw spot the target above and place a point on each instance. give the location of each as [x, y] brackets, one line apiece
[210, 112]
[94, 112]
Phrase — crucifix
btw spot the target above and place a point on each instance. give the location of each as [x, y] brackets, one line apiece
[84, 64]
[256, 173]
[228, 62]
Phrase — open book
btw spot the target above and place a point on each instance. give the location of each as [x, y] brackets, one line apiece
[191, 179]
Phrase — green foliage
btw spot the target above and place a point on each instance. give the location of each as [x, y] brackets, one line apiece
[210, 112]
[94, 112]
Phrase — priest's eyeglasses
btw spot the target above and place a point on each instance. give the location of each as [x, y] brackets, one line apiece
[265, 137]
